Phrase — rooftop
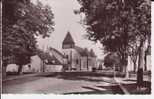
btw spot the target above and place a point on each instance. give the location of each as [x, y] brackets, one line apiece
[68, 39]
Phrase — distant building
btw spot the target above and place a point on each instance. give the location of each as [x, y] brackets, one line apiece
[12, 68]
[100, 64]
[34, 66]
[147, 61]
[78, 59]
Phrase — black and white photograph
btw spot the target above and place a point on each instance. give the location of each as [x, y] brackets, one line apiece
[76, 47]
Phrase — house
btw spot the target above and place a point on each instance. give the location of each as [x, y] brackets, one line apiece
[34, 66]
[12, 68]
[78, 59]
[50, 61]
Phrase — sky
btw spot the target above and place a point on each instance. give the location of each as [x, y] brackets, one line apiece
[65, 20]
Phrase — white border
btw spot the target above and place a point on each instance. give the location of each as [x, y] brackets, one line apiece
[50, 96]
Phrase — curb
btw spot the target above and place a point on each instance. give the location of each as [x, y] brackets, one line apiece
[122, 87]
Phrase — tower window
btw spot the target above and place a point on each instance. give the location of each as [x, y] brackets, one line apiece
[77, 61]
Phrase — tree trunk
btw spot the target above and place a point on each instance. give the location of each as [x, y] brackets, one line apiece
[124, 64]
[134, 67]
[20, 69]
[87, 64]
[43, 66]
[126, 69]
[80, 64]
[121, 68]
[140, 65]
[4, 67]
[145, 60]
[4, 72]
[127, 72]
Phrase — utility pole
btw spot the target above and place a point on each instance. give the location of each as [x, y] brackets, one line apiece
[71, 60]
[80, 64]
[87, 63]
[43, 65]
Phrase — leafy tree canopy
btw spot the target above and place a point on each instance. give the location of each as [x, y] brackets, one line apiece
[117, 24]
[111, 59]
[22, 22]
[114, 21]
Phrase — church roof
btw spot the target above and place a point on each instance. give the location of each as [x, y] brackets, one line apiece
[51, 48]
[52, 60]
[80, 51]
[68, 39]
[84, 52]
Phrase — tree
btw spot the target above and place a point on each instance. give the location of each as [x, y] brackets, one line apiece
[22, 23]
[87, 54]
[133, 53]
[106, 23]
[111, 59]
[115, 23]
[142, 34]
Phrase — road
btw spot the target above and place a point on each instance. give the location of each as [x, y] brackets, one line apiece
[62, 85]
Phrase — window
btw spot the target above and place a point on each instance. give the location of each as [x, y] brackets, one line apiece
[77, 61]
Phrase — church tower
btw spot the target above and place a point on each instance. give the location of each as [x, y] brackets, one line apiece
[68, 46]
[68, 42]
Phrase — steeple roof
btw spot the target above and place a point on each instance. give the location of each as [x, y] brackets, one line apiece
[68, 39]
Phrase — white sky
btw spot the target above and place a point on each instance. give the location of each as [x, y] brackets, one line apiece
[65, 20]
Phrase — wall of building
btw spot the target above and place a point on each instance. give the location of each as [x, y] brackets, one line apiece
[72, 56]
[53, 68]
[149, 65]
[130, 64]
[35, 64]
[79, 62]
[12, 68]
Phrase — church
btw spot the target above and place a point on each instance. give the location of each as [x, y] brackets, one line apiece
[77, 58]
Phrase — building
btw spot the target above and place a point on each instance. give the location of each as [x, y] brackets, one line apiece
[147, 61]
[50, 61]
[78, 59]
[34, 66]
[100, 64]
[56, 61]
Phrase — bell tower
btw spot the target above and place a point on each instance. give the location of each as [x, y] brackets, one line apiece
[68, 46]
[68, 42]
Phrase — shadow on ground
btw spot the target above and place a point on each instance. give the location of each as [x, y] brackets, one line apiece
[115, 89]
[85, 78]
[19, 81]
[132, 89]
